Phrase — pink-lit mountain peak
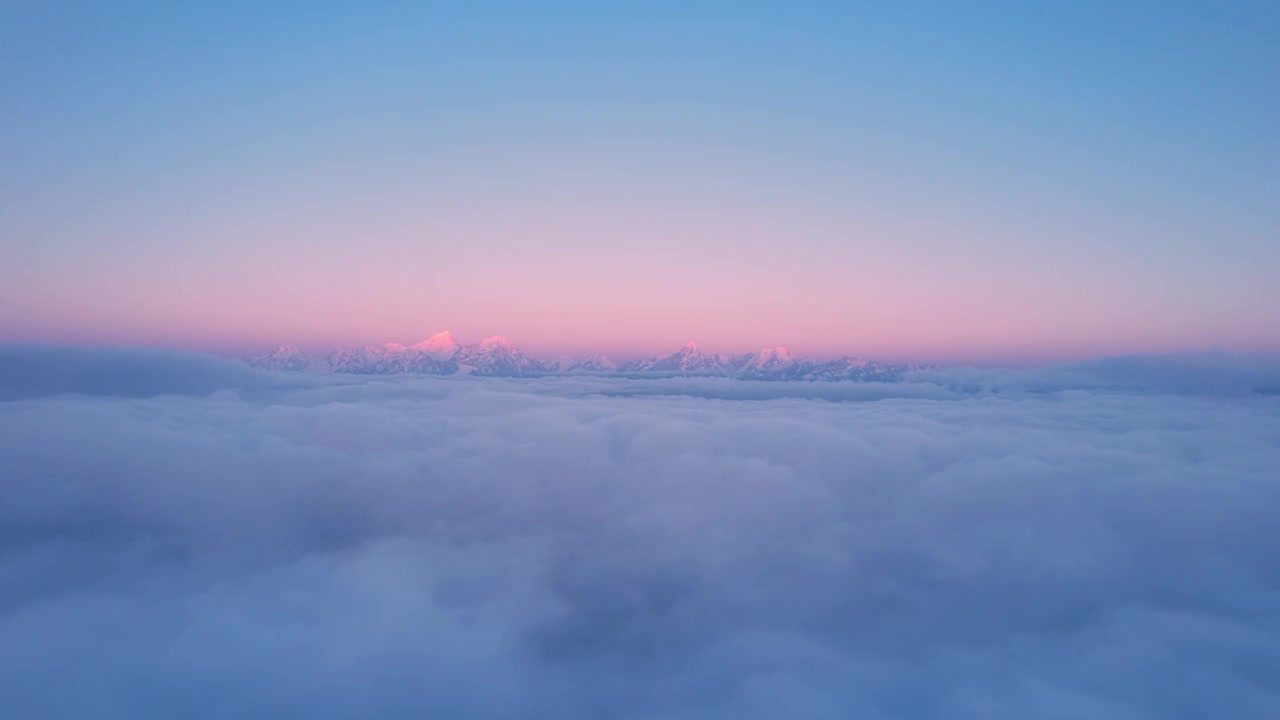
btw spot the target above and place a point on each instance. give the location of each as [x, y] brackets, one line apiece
[495, 355]
[441, 354]
[442, 344]
[774, 357]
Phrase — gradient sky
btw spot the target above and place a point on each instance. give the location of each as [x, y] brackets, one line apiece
[989, 182]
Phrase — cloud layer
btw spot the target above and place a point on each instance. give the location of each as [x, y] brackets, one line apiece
[182, 537]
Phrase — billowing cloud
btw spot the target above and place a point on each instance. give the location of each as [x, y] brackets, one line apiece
[184, 537]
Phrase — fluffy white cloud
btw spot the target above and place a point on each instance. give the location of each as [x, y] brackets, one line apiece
[182, 537]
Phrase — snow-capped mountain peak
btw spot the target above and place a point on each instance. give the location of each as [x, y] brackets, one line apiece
[688, 359]
[774, 357]
[440, 345]
[286, 358]
[495, 356]
[441, 354]
[595, 363]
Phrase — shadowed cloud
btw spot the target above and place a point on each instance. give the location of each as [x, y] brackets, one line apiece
[183, 536]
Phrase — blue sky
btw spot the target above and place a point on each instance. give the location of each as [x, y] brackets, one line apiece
[931, 180]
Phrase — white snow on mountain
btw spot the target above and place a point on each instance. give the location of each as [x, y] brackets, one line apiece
[688, 359]
[770, 359]
[287, 358]
[442, 345]
[442, 354]
[595, 363]
[351, 360]
[390, 359]
[496, 356]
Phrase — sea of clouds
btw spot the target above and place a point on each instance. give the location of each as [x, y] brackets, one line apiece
[185, 537]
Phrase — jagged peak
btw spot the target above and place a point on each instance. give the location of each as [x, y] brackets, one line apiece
[441, 341]
[496, 355]
[598, 361]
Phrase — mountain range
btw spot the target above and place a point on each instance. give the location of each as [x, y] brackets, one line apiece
[442, 354]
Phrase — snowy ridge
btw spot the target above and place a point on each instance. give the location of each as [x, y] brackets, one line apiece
[496, 356]
[442, 354]
[442, 346]
[688, 359]
[288, 358]
[595, 363]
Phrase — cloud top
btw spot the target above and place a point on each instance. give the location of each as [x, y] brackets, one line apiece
[181, 536]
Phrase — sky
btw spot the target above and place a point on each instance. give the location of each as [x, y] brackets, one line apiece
[991, 182]
[185, 536]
